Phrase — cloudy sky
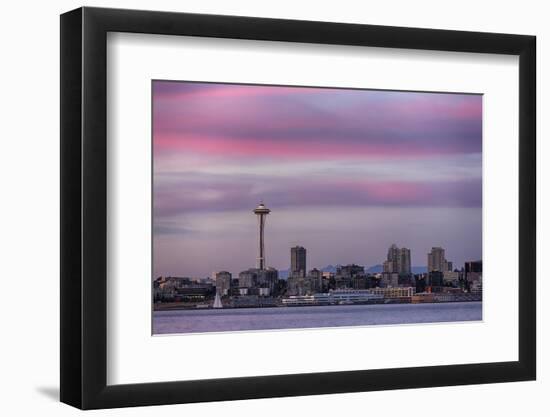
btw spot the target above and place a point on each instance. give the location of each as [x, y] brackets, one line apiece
[346, 173]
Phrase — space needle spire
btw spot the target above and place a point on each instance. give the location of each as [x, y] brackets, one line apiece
[261, 211]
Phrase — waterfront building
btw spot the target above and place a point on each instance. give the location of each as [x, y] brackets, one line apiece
[223, 282]
[349, 296]
[304, 300]
[164, 293]
[252, 301]
[298, 261]
[423, 297]
[444, 297]
[181, 289]
[394, 292]
[342, 296]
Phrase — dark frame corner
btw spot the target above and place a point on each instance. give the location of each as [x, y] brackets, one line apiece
[83, 207]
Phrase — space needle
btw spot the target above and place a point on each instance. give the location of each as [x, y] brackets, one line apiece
[261, 211]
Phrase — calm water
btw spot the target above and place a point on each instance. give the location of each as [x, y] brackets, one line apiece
[192, 321]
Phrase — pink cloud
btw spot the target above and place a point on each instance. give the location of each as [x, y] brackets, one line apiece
[231, 91]
[287, 149]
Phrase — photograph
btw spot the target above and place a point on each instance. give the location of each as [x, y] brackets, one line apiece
[268, 209]
[294, 207]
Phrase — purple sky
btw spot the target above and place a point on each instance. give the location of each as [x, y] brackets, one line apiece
[345, 172]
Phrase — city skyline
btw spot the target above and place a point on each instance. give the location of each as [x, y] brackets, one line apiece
[380, 263]
[295, 259]
[347, 173]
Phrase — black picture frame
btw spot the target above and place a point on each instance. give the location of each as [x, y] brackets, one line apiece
[84, 207]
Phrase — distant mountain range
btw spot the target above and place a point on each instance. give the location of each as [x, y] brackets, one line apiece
[375, 269]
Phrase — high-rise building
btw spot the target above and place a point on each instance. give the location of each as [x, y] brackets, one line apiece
[405, 261]
[437, 261]
[392, 260]
[398, 260]
[435, 278]
[267, 278]
[223, 282]
[298, 261]
[248, 278]
[421, 282]
[389, 279]
[345, 274]
[472, 266]
[316, 277]
[315, 273]
[452, 278]
[473, 272]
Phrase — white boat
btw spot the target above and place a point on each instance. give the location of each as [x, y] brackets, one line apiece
[218, 301]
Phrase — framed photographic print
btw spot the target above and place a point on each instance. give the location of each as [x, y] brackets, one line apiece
[291, 208]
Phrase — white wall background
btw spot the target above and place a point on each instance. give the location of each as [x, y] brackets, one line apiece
[29, 237]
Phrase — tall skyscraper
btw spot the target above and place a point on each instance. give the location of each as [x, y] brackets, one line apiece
[398, 260]
[405, 261]
[298, 261]
[437, 261]
[261, 211]
[392, 260]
